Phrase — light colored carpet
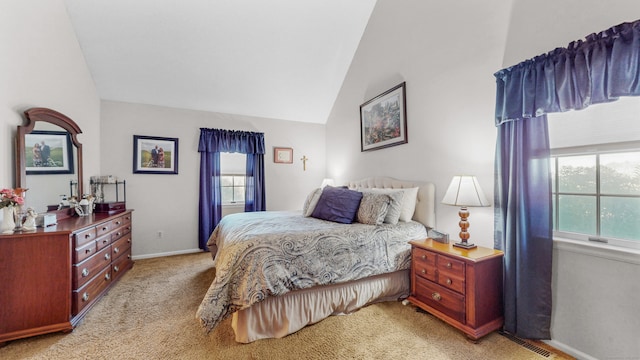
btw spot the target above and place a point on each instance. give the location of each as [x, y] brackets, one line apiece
[150, 314]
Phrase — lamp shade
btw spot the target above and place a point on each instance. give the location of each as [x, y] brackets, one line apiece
[465, 190]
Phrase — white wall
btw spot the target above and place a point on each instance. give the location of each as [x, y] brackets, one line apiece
[42, 66]
[595, 299]
[447, 55]
[169, 203]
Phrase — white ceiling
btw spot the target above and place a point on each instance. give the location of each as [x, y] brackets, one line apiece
[282, 59]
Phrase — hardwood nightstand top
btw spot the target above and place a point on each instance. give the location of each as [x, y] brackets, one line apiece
[476, 254]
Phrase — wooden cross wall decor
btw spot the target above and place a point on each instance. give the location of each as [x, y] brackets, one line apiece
[304, 162]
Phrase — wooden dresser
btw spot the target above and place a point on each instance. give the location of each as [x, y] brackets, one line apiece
[51, 277]
[461, 287]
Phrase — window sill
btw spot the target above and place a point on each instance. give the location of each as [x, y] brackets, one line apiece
[233, 205]
[605, 251]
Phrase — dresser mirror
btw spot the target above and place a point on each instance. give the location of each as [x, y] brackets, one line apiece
[60, 172]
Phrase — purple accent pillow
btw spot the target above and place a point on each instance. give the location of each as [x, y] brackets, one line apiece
[338, 205]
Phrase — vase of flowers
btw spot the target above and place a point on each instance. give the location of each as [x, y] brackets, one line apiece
[10, 200]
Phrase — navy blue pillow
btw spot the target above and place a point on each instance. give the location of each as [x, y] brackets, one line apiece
[337, 204]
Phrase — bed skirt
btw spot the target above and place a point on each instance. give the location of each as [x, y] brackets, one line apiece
[276, 317]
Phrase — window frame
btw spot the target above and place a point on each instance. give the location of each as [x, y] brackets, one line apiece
[597, 150]
[233, 203]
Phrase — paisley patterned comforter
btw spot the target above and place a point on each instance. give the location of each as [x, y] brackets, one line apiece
[262, 254]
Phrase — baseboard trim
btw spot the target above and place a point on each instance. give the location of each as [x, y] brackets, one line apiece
[569, 350]
[170, 253]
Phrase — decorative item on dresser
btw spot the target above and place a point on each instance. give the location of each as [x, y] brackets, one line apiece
[461, 287]
[51, 277]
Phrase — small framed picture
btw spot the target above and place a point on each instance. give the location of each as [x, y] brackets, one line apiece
[155, 155]
[282, 155]
[383, 120]
[48, 152]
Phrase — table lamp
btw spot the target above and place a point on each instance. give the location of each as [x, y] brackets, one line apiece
[464, 191]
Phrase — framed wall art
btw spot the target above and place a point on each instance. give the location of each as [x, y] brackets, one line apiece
[282, 155]
[48, 152]
[155, 155]
[383, 120]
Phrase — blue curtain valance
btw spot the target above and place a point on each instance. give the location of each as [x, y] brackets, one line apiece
[599, 69]
[233, 141]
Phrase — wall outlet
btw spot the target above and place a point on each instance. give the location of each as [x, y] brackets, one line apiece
[160, 234]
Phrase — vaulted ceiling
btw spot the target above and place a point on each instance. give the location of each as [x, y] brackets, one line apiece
[282, 59]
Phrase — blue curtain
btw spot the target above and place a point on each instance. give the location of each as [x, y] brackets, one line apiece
[599, 69]
[212, 143]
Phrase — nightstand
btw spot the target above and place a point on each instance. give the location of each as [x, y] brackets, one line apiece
[461, 287]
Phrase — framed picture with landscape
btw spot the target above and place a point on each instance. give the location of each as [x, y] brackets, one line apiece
[383, 120]
[155, 155]
[48, 152]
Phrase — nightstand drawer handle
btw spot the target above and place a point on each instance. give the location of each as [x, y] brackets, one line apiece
[449, 281]
[435, 296]
[423, 271]
[449, 265]
[424, 257]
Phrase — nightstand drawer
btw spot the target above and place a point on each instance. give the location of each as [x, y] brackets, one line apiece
[450, 266]
[421, 256]
[446, 301]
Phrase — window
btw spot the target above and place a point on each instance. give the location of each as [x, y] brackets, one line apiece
[596, 193]
[232, 189]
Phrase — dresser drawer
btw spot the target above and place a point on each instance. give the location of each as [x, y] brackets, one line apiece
[103, 241]
[91, 291]
[82, 237]
[84, 252]
[105, 228]
[86, 270]
[121, 246]
[440, 298]
[122, 264]
[124, 220]
[120, 232]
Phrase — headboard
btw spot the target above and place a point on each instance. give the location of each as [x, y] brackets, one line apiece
[425, 204]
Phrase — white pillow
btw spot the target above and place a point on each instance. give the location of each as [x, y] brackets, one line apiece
[409, 204]
[311, 202]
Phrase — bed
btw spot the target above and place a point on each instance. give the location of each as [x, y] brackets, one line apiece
[279, 271]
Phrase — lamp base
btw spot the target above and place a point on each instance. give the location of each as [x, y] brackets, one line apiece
[465, 245]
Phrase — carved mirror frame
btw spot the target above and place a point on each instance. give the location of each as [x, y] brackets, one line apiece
[51, 116]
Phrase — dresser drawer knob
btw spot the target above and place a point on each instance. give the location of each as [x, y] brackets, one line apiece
[449, 266]
[449, 281]
[105, 228]
[424, 257]
[129, 240]
[87, 251]
[107, 276]
[85, 272]
[129, 257]
[87, 236]
[423, 271]
[116, 250]
[107, 256]
[116, 268]
[435, 296]
[85, 297]
[118, 223]
[118, 233]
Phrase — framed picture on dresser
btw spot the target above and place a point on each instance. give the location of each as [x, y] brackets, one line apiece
[155, 155]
